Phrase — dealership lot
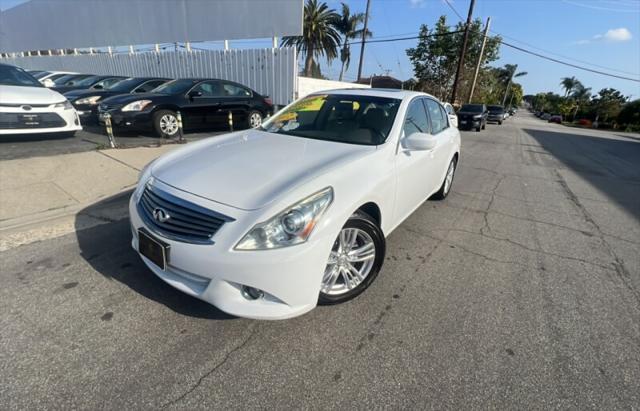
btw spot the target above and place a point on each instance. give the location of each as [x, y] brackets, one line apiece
[522, 289]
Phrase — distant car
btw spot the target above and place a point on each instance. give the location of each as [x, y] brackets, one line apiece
[497, 114]
[473, 116]
[48, 77]
[512, 111]
[545, 116]
[70, 79]
[91, 82]
[27, 107]
[201, 102]
[556, 118]
[86, 101]
[451, 113]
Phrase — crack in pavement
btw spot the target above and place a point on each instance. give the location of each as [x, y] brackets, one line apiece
[214, 369]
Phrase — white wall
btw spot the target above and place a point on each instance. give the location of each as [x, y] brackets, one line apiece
[307, 85]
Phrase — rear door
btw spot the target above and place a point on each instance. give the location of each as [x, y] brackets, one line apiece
[237, 101]
[440, 129]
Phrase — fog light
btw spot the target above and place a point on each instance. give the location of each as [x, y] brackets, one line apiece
[251, 293]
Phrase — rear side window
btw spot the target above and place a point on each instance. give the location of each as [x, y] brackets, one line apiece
[437, 115]
[416, 120]
[209, 89]
[231, 90]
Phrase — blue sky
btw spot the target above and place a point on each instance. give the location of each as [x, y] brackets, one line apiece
[603, 33]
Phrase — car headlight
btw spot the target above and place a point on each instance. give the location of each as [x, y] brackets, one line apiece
[477, 117]
[290, 227]
[65, 104]
[93, 100]
[143, 178]
[136, 105]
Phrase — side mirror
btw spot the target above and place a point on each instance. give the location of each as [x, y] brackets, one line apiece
[194, 93]
[419, 142]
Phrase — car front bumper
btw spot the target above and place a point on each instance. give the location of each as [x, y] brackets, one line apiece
[290, 277]
[44, 120]
[495, 118]
[469, 123]
[139, 120]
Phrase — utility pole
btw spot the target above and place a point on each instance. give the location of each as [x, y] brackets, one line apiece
[475, 75]
[462, 53]
[504, 99]
[364, 37]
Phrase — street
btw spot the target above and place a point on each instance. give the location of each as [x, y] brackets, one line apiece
[520, 291]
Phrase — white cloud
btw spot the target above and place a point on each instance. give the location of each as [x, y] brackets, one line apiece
[417, 3]
[612, 35]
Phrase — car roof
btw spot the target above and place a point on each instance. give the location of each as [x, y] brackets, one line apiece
[377, 92]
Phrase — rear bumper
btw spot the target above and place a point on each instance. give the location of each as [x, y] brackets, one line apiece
[469, 123]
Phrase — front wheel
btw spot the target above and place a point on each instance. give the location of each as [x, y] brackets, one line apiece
[354, 261]
[445, 188]
[165, 123]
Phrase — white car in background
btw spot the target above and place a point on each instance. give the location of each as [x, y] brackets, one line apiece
[266, 223]
[47, 78]
[453, 117]
[27, 107]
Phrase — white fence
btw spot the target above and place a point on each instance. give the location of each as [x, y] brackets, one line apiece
[270, 72]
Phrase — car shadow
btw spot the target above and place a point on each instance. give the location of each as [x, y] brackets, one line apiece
[23, 138]
[610, 165]
[107, 249]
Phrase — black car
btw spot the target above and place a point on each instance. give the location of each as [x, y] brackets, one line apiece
[201, 102]
[496, 113]
[88, 82]
[472, 116]
[69, 79]
[86, 101]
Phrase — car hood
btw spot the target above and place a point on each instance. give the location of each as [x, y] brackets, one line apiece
[470, 113]
[250, 169]
[29, 95]
[128, 98]
[76, 94]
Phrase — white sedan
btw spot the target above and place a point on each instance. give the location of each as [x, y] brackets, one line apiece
[267, 223]
[27, 107]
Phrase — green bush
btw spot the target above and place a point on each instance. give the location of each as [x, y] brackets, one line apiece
[630, 115]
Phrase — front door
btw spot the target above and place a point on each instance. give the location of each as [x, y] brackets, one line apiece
[416, 170]
[203, 105]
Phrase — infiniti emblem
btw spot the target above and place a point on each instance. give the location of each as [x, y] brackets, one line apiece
[26, 108]
[160, 215]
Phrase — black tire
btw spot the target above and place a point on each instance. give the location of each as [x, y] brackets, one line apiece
[499, 123]
[478, 128]
[367, 224]
[157, 117]
[253, 113]
[441, 194]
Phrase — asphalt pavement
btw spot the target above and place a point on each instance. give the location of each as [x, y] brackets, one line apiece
[521, 290]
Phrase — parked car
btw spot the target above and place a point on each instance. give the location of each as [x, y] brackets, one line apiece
[91, 82]
[556, 118]
[86, 101]
[451, 113]
[472, 116]
[27, 107]
[545, 116]
[496, 113]
[201, 102]
[70, 79]
[268, 222]
[48, 77]
[513, 111]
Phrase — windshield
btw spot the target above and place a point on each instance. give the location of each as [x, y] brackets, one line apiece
[61, 81]
[496, 109]
[39, 74]
[125, 85]
[175, 87]
[365, 120]
[14, 76]
[86, 82]
[472, 108]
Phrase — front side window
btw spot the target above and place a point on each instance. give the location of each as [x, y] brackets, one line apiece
[352, 119]
[14, 76]
[437, 116]
[107, 83]
[175, 87]
[416, 120]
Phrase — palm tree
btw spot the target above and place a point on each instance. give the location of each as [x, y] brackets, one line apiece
[569, 84]
[319, 37]
[581, 95]
[347, 24]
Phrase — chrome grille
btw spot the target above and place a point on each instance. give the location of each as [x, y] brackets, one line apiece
[186, 222]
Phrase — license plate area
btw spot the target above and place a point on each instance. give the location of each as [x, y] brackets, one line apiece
[153, 249]
[30, 119]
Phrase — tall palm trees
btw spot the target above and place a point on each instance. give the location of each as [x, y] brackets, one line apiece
[569, 84]
[319, 35]
[348, 25]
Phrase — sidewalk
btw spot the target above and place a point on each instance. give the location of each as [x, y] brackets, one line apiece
[40, 197]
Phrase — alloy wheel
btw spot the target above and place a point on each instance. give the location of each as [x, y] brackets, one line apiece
[449, 178]
[255, 120]
[168, 124]
[350, 261]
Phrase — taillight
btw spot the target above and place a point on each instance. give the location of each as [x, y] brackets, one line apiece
[268, 101]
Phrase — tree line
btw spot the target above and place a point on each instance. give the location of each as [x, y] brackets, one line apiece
[608, 108]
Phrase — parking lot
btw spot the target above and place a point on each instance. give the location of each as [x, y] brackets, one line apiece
[520, 290]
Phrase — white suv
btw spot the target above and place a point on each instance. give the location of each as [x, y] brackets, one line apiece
[27, 107]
